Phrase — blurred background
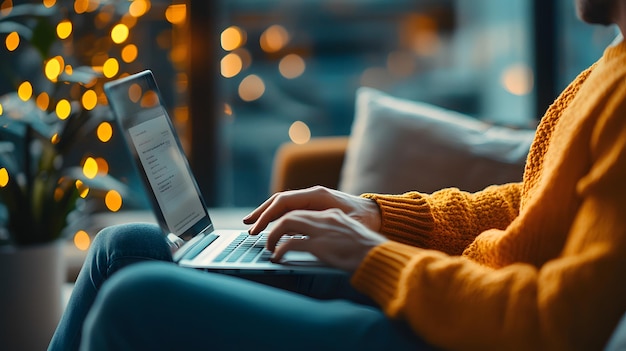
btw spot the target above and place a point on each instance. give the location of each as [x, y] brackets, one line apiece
[241, 77]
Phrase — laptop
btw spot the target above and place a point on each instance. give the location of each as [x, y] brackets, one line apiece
[176, 199]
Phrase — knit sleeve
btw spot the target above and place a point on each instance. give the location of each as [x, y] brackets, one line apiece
[571, 301]
[447, 220]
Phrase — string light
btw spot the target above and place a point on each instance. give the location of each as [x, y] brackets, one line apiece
[64, 29]
[12, 41]
[4, 177]
[25, 91]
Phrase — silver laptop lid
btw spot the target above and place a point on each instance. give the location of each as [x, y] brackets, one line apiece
[158, 155]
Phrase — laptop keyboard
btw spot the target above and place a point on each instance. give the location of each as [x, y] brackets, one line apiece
[249, 248]
[246, 248]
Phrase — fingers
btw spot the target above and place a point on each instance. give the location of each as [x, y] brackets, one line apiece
[293, 244]
[281, 203]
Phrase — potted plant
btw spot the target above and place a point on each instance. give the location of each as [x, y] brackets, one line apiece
[45, 184]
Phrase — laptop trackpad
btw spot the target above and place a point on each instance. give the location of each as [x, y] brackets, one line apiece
[300, 258]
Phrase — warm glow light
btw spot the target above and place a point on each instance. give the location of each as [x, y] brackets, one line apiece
[81, 6]
[12, 41]
[518, 79]
[55, 138]
[274, 38]
[119, 33]
[83, 190]
[64, 29]
[299, 132]
[63, 109]
[149, 99]
[43, 101]
[176, 14]
[113, 200]
[251, 88]
[54, 67]
[49, 3]
[291, 66]
[104, 132]
[90, 168]
[25, 91]
[6, 7]
[4, 177]
[231, 65]
[89, 100]
[110, 68]
[129, 53]
[232, 38]
[82, 240]
[138, 8]
[1, 110]
[134, 92]
[103, 166]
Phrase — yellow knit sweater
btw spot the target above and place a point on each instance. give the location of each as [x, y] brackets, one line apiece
[537, 265]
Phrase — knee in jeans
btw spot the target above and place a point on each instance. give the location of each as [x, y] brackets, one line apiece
[127, 235]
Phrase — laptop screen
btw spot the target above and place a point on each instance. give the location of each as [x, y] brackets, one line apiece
[158, 155]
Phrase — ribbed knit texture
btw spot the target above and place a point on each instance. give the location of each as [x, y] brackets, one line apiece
[537, 265]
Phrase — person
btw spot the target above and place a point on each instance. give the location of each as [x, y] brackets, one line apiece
[533, 265]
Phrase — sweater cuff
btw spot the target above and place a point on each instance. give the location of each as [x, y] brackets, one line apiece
[404, 217]
[380, 274]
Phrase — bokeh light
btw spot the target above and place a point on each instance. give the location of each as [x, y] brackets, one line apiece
[518, 79]
[63, 109]
[110, 68]
[4, 177]
[43, 101]
[176, 13]
[25, 91]
[251, 88]
[12, 41]
[231, 65]
[138, 8]
[129, 53]
[119, 33]
[134, 92]
[104, 132]
[83, 190]
[113, 200]
[149, 99]
[299, 132]
[64, 29]
[232, 38]
[89, 100]
[291, 66]
[54, 67]
[82, 240]
[90, 168]
[274, 38]
[103, 166]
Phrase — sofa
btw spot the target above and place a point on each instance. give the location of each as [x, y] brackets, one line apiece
[397, 145]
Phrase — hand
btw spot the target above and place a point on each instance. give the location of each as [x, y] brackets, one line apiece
[340, 228]
[332, 236]
[317, 198]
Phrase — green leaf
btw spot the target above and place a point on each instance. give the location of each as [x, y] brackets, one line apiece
[43, 36]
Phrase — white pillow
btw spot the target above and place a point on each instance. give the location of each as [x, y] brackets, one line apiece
[398, 145]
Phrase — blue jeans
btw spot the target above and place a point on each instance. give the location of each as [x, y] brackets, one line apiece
[157, 305]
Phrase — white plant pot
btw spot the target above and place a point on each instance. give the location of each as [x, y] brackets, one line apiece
[31, 283]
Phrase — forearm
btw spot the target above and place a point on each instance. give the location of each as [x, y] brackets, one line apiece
[456, 304]
[447, 220]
